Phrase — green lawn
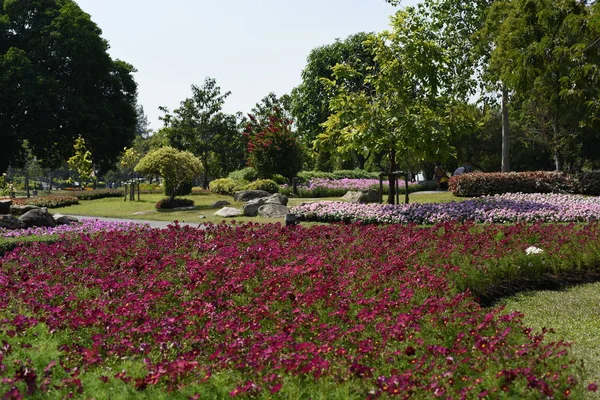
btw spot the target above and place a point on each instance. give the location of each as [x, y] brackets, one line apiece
[573, 314]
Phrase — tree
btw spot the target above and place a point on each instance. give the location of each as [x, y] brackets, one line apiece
[81, 162]
[200, 126]
[273, 149]
[57, 81]
[311, 99]
[408, 113]
[176, 167]
[547, 54]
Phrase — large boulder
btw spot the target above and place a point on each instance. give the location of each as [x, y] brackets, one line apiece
[247, 195]
[64, 219]
[8, 221]
[5, 206]
[251, 207]
[220, 204]
[367, 196]
[273, 211]
[20, 210]
[229, 212]
[38, 217]
[277, 198]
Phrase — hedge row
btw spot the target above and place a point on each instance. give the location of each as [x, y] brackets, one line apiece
[228, 186]
[97, 194]
[305, 176]
[482, 184]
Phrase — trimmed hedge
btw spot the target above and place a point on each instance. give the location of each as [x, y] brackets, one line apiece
[167, 203]
[226, 186]
[305, 176]
[267, 185]
[47, 201]
[98, 194]
[246, 174]
[482, 184]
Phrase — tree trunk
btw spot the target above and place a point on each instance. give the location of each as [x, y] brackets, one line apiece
[505, 131]
[392, 177]
[406, 200]
[557, 161]
[27, 181]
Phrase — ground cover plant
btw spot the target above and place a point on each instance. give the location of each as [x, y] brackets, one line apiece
[510, 207]
[337, 311]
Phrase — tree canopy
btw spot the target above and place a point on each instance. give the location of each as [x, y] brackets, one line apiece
[176, 167]
[57, 82]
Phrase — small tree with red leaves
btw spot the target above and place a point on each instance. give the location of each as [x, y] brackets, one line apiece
[273, 147]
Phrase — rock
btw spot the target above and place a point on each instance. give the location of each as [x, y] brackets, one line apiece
[64, 219]
[367, 196]
[277, 198]
[273, 211]
[229, 212]
[8, 221]
[250, 209]
[38, 217]
[220, 204]
[145, 212]
[5, 206]
[247, 195]
[20, 210]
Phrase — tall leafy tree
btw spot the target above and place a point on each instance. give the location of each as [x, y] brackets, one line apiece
[57, 82]
[409, 112]
[547, 53]
[311, 99]
[200, 126]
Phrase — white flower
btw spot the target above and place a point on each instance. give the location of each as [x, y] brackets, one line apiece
[533, 250]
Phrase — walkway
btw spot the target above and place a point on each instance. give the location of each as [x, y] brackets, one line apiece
[153, 224]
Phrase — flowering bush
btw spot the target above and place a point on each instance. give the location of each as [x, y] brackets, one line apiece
[87, 226]
[266, 310]
[512, 207]
[47, 201]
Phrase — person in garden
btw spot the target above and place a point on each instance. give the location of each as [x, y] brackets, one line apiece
[438, 174]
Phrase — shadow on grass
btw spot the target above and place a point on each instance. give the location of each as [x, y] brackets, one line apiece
[553, 282]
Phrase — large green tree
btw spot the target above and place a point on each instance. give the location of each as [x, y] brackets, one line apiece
[311, 99]
[548, 55]
[57, 82]
[408, 112]
[200, 126]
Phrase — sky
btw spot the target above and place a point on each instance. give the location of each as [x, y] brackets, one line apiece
[251, 47]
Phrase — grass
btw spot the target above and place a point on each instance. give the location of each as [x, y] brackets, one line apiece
[573, 315]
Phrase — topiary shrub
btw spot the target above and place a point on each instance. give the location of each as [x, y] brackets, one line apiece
[279, 179]
[227, 186]
[183, 189]
[168, 203]
[267, 185]
[247, 174]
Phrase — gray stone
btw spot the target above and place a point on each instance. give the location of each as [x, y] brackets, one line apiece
[250, 209]
[220, 204]
[20, 210]
[229, 212]
[367, 196]
[247, 195]
[277, 198]
[8, 221]
[64, 219]
[273, 211]
[38, 217]
[5, 206]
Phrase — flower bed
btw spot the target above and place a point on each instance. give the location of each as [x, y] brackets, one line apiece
[86, 226]
[52, 201]
[511, 207]
[342, 311]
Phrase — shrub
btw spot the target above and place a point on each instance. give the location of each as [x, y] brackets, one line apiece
[48, 201]
[247, 174]
[482, 184]
[588, 183]
[150, 188]
[305, 176]
[168, 203]
[267, 185]
[280, 179]
[226, 186]
[98, 194]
